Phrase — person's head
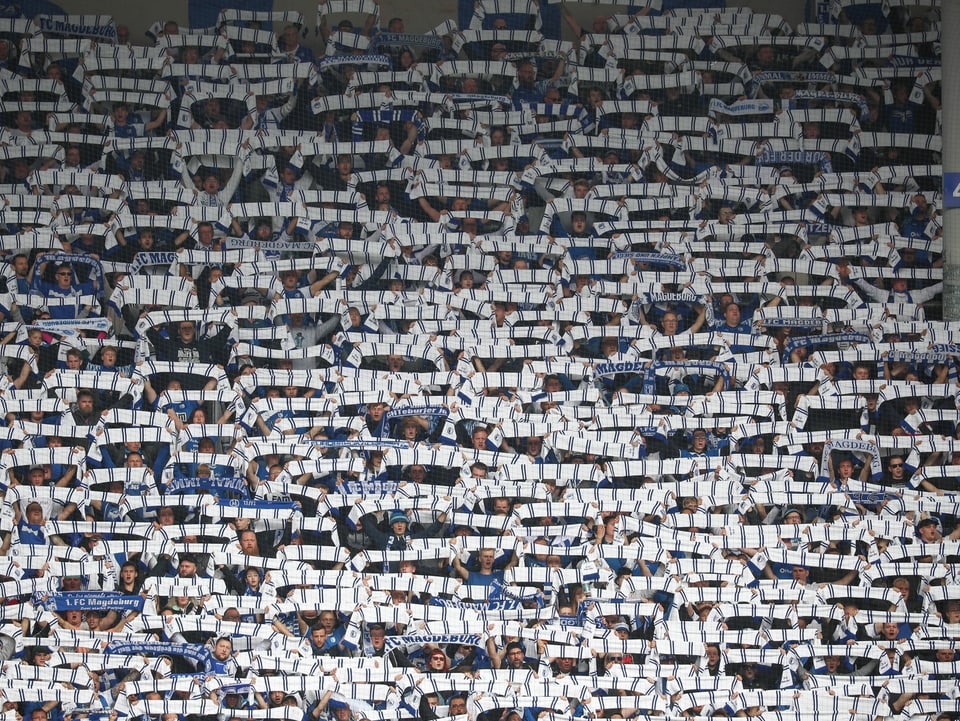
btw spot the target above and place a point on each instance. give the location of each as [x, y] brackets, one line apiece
[438, 661]
[378, 636]
[187, 568]
[578, 222]
[398, 523]
[248, 542]
[478, 439]
[800, 574]
[34, 512]
[526, 74]
[186, 330]
[63, 276]
[74, 359]
[792, 517]
[501, 506]
[845, 469]
[889, 631]
[902, 586]
[945, 655]
[222, 648]
[731, 314]
[457, 706]
[486, 558]
[328, 619]
[129, 572]
[726, 214]
[929, 530]
[895, 467]
[318, 636]
[85, 401]
[515, 654]
[134, 459]
[951, 612]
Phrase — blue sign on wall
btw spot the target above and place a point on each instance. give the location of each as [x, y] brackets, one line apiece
[951, 190]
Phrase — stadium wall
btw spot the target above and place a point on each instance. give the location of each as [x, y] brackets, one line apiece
[418, 16]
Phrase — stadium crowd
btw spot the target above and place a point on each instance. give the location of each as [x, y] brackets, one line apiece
[354, 373]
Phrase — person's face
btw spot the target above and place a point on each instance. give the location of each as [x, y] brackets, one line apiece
[952, 613]
[417, 473]
[903, 588]
[501, 506]
[35, 513]
[889, 631]
[526, 74]
[845, 469]
[800, 574]
[376, 411]
[944, 655]
[479, 439]
[895, 465]
[328, 620]
[713, 655]
[515, 657]
[565, 664]
[108, 358]
[187, 569]
[128, 574]
[21, 265]
[222, 649]
[437, 661]
[578, 224]
[186, 331]
[211, 184]
[732, 314]
[486, 559]
[165, 517]
[394, 363]
[929, 533]
[457, 706]
[318, 635]
[253, 579]
[64, 277]
[345, 165]
[832, 663]
[134, 460]
[725, 215]
[248, 542]
[85, 404]
[74, 362]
